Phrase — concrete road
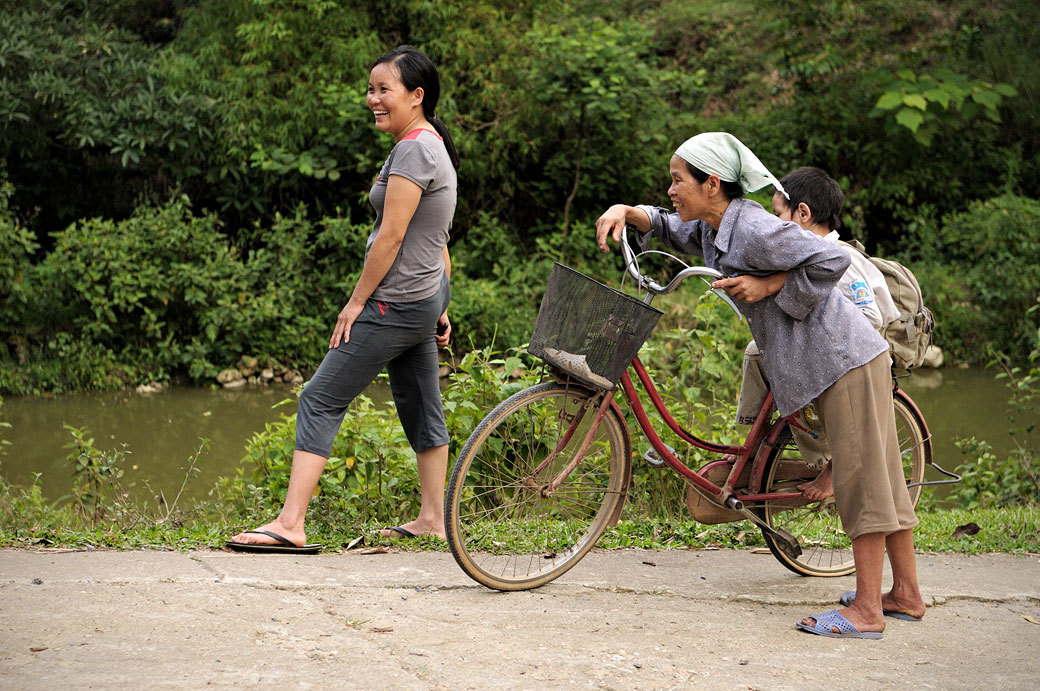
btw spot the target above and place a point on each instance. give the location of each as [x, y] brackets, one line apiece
[626, 619]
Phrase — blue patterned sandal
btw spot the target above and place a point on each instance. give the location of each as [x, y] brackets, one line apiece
[828, 621]
[847, 598]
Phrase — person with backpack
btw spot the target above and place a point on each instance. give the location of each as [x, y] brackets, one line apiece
[813, 200]
[816, 347]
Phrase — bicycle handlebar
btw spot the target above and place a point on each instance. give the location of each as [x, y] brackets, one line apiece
[652, 286]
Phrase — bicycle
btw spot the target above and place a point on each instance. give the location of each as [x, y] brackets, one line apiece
[547, 471]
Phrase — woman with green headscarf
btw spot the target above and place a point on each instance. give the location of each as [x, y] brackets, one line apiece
[816, 348]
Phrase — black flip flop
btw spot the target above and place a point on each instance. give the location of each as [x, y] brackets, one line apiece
[404, 532]
[284, 546]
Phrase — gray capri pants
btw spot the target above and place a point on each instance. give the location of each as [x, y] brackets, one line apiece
[399, 336]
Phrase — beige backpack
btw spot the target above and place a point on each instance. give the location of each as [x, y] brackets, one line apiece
[911, 333]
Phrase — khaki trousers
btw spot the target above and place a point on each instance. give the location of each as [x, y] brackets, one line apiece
[858, 418]
[808, 434]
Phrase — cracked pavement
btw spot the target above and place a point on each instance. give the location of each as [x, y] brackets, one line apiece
[625, 619]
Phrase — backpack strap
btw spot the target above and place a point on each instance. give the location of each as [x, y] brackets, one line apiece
[856, 245]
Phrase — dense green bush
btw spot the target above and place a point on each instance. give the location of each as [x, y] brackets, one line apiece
[255, 109]
[838, 68]
[88, 122]
[166, 294]
[163, 293]
[980, 269]
[257, 106]
[17, 247]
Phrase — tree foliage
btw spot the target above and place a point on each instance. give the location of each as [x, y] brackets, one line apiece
[983, 271]
[926, 104]
[89, 121]
[255, 110]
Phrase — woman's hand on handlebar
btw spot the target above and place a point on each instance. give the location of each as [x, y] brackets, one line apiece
[611, 223]
[752, 288]
[614, 220]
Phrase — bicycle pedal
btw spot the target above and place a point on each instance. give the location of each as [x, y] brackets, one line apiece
[787, 543]
[653, 459]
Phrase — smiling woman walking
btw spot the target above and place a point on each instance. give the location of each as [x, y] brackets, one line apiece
[397, 315]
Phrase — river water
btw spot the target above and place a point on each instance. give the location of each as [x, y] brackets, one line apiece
[160, 432]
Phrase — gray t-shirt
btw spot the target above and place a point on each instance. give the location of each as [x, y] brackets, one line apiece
[416, 272]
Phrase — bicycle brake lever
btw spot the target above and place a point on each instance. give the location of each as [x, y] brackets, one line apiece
[729, 301]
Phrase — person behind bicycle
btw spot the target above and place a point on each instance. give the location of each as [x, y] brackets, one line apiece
[815, 346]
[815, 204]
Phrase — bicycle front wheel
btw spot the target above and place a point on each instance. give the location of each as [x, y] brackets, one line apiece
[504, 528]
[826, 549]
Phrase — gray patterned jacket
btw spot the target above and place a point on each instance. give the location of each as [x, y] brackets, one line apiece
[808, 333]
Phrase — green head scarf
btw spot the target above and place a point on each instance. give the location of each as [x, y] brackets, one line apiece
[722, 154]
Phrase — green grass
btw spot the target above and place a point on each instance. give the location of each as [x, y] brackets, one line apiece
[1014, 529]
[27, 520]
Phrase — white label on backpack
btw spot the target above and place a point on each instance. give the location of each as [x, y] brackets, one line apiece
[861, 294]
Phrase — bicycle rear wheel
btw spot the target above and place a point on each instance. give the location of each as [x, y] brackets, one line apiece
[826, 549]
[503, 529]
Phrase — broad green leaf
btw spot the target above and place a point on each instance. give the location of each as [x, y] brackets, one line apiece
[938, 95]
[890, 100]
[915, 101]
[924, 135]
[910, 118]
[988, 99]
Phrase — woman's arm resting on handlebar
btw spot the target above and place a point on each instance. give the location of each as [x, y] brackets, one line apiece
[613, 221]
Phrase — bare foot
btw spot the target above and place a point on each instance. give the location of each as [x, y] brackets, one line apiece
[418, 528]
[820, 488]
[296, 536]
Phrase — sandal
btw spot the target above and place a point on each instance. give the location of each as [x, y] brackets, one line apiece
[848, 597]
[828, 621]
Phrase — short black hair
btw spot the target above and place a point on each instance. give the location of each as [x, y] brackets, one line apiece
[817, 190]
[732, 190]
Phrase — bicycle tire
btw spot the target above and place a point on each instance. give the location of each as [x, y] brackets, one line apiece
[501, 530]
[826, 549]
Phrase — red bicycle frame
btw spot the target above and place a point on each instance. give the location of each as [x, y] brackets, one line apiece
[760, 439]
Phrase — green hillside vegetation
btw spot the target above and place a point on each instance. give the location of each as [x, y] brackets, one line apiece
[183, 183]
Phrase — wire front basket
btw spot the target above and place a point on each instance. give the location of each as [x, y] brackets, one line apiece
[589, 330]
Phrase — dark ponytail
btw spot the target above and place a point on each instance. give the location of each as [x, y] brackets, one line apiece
[416, 71]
